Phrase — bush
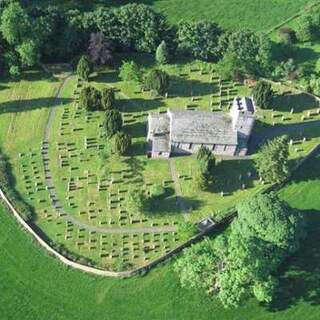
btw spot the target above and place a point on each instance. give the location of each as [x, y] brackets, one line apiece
[287, 35]
[157, 191]
[157, 80]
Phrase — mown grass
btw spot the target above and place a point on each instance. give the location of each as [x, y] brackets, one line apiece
[34, 286]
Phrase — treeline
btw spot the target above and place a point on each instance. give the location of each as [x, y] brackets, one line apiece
[7, 185]
[33, 34]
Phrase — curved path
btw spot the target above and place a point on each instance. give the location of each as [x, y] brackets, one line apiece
[51, 189]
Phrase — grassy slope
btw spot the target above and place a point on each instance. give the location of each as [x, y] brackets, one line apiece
[34, 286]
[230, 14]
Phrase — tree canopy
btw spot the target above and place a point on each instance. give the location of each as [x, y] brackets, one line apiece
[84, 68]
[122, 143]
[162, 53]
[245, 263]
[263, 94]
[90, 99]
[157, 81]
[112, 122]
[272, 161]
[108, 98]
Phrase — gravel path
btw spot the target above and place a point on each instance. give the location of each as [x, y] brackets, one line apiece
[52, 193]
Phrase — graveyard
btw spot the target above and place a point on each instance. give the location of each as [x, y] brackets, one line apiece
[78, 190]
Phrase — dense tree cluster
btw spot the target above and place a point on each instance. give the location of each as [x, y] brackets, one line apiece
[34, 34]
[308, 27]
[272, 161]
[245, 263]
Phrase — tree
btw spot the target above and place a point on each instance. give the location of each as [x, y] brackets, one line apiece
[162, 53]
[263, 94]
[314, 84]
[199, 39]
[199, 265]
[229, 67]
[84, 68]
[90, 99]
[157, 191]
[122, 143]
[112, 122]
[29, 53]
[272, 162]
[287, 35]
[287, 70]
[107, 98]
[203, 175]
[15, 24]
[253, 52]
[100, 49]
[15, 71]
[157, 80]
[129, 71]
[265, 232]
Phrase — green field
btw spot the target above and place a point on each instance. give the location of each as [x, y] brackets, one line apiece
[34, 286]
[230, 14]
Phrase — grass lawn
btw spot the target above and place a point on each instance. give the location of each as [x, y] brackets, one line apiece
[32, 284]
[92, 189]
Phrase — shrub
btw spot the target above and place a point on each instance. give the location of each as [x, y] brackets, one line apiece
[157, 80]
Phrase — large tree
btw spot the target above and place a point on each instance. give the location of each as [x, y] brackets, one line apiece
[100, 49]
[272, 161]
[244, 264]
[157, 81]
[253, 51]
[199, 39]
[112, 122]
[263, 94]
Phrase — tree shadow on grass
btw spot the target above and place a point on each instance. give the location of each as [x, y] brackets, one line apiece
[136, 129]
[135, 105]
[301, 280]
[32, 104]
[297, 131]
[227, 176]
[168, 204]
[183, 87]
[299, 102]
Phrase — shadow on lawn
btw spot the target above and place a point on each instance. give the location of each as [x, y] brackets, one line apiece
[299, 102]
[168, 204]
[140, 105]
[32, 104]
[227, 177]
[301, 281]
[297, 131]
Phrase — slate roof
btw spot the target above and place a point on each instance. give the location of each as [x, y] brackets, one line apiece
[202, 127]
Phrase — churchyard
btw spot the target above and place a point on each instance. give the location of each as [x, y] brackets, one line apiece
[91, 186]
